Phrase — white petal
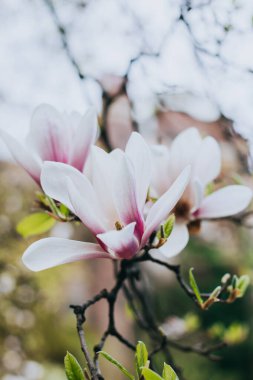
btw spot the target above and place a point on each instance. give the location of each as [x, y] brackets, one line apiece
[50, 252]
[83, 139]
[207, 164]
[139, 154]
[225, 202]
[69, 186]
[53, 181]
[49, 135]
[122, 243]
[184, 150]
[176, 242]
[86, 205]
[161, 208]
[22, 156]
[197, 190]
[103, 166]
[125, 197]
[161, 179]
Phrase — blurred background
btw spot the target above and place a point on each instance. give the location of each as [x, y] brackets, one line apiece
[157, 66]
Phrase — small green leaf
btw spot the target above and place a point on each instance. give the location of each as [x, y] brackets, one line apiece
[166, 228]
[209, 188]
[169, 373]
[73, 369]
[194, 286]
[149, 374]
[117, 364]
[242, 284]
[141, 357]
[64, 210]
[34, 224]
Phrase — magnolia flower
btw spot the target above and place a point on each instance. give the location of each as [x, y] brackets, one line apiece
[110, 203]
[54, 137]
[204, 155]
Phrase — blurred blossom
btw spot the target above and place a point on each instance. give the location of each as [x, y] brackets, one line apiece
[194, 105]
[119, 122]
[25, 294]
[112, 83]
[12, 342]
[197, 203]
[62, 230]
[19, 317]
[7, 283]
[12, 360]
[54, 136]
[214, 81]
[13, 203]
[174, 327]
[32, 370]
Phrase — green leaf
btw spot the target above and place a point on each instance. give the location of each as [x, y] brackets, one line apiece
[194, 286]
[73, 369]
[149, 374]
[169, 373]
[209, 188]
[117, 364]
[166, 228]
[34, 224]
[141, 357]
[64, 210]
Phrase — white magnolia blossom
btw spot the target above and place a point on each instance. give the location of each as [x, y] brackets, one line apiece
[54, 137]
[111, 203]
[204, 156]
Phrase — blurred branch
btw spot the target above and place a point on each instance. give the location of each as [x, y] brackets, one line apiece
[63, 35]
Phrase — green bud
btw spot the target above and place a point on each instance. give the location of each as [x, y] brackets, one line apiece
[225, 278]
[242, 285]
[234, 281]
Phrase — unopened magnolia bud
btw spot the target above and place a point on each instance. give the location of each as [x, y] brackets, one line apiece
[225, 278]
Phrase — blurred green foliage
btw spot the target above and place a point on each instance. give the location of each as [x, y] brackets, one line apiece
[37, 327]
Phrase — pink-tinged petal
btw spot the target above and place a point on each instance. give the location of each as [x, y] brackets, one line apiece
[50, 252]
[176, 242]
[27, 160]
[184, 150]
[225, 202]
[49, 136]
[207, 165]
[125, 198]
[139, 154]
[162, 208]
[86, 205]
[123, 243]
[84, 138]
[53, 181]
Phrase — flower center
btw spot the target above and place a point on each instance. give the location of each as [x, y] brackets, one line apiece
[118, 225]
[182, 210]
